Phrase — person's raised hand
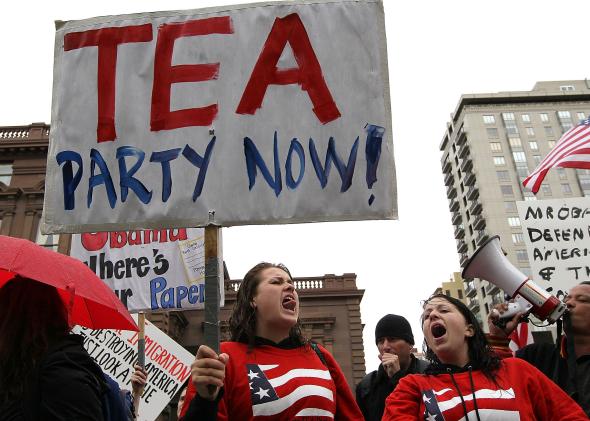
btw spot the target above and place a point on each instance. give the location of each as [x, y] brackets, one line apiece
[208, 372]
[497, 327]
[390, 363]
[138, 380]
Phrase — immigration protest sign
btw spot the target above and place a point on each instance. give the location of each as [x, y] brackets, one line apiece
[557, 235]
[263, 113]
[166, 362]
[149, 270]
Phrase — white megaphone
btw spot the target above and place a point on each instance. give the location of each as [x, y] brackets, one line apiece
[489, 263]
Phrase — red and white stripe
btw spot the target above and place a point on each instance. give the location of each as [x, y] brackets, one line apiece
[571, 151]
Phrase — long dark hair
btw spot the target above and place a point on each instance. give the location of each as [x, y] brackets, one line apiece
[242, 323]
[481, 356]
[32, 316]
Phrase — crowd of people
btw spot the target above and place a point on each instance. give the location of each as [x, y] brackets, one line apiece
[269, 370]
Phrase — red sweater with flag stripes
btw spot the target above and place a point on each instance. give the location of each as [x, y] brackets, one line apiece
[522, 393]
[269, 382]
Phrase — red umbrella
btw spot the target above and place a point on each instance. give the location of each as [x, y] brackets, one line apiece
[89, 300]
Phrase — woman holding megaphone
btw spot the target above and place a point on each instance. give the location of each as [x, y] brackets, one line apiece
[567, 362]
[467, 381]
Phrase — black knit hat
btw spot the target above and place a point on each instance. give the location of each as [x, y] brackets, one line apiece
[394, 326]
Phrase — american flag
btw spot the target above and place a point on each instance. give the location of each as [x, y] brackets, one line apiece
[492, 404]
[571, 151]
[293, 393]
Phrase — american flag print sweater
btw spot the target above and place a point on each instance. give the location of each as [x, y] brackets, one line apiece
[273, 383]
[521, 392]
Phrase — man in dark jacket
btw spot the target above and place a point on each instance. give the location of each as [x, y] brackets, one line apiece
[394, 339]
[568, 363]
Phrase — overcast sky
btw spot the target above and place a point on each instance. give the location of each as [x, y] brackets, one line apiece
[437, 51]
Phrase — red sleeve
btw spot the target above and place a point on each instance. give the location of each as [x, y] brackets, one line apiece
[500, 346]
[191, 392]
[346, 407]
[551, 403]
[404, 403]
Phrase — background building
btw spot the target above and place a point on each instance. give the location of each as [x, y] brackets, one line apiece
[454, 287]
[491, 144]
[330, 304]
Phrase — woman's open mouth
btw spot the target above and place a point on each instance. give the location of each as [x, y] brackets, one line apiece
[438, 330]
[289, 303]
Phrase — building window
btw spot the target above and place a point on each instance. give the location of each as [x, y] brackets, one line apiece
[499, 160]
[521, 256]
[544, 117]
[530, 131]
[566, 188]
[533, 145]
[519, 156]
[515, 142]
[483, 292]
[489, 119]
[546, 189]
[514, 221]
[5, 173]
[526, 118]
[537, 160]
[565, 119]
[530, 198]
[460, 294]
[507, 190]
[581, 116]
[496, 146]
[549, 131]
[508, 116]
[510, 207]
[503, 175]
[522, 171]
[510, 124]
[561, 173]
[492, 132]
[551, 144]
[566, 88]
[517, 238]
[50, 241]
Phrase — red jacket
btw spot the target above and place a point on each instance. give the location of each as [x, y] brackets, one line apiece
[522, 393]
[269, 382]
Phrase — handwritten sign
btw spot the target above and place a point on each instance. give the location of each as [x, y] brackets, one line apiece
[557, 235]
[151, 270]
[253, 114]
[193, 257]
[166, 362]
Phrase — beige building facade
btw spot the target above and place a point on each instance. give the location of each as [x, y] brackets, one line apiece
[454, 287]
[490, 146]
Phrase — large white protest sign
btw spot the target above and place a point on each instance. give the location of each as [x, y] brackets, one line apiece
[253, 114]
[166, 362]
[557, 235]
[149, 270]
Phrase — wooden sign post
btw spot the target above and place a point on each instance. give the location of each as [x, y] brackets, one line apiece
[212, 243]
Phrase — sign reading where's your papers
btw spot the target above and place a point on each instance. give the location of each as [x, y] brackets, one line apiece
[557, 235]
[166, 362]
[149, 270]
[254, 114]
